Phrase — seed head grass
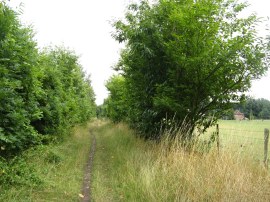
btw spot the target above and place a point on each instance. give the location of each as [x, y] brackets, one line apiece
[130, 169]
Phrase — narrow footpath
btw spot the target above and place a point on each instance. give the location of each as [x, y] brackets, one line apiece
[86, 190]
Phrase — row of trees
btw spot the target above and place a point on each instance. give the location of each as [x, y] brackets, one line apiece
[184, 61]
[41, 92]
[254, 108]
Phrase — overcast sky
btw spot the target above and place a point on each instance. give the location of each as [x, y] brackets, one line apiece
[84, 26]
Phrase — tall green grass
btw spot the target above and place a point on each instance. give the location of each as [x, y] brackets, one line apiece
[129, 169]
[58, 168]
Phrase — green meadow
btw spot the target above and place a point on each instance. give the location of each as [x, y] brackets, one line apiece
[246, 137]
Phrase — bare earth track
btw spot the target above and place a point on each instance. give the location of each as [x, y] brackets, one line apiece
[86, 190]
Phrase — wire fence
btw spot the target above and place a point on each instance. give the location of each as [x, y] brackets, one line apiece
[242, 136]
[256, 146]
[249, 131]
[237, 133]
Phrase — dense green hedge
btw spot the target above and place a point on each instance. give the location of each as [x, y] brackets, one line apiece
[41, 93]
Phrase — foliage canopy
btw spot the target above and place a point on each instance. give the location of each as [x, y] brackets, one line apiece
[255, 108]
[187, 61]
[41, 93]
[116, 103]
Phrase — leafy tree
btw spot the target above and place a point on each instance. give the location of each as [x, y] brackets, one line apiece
[69, 97]
[116, 103]
[101, 111]
[187, 61]
[40, 93]
[228, 114]
[265, 113]
[255, 108]
[19, 87]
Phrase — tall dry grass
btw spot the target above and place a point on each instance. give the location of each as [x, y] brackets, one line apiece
[145, 171]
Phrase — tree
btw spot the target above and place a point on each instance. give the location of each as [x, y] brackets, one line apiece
[255, 108]
[116, 102]
[40, 93]
[265, 113]
[187, 61]
[68, 97]
[19, 86]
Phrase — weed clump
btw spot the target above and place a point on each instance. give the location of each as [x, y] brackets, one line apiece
[17, 172]
[53, 157]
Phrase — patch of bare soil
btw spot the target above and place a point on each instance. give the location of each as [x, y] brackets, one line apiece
[86, 190]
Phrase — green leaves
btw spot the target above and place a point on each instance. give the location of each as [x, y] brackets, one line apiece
[187, 60]
[68, 98]
[258, 108]
[40, 93]
[18, 62]
[116, 103]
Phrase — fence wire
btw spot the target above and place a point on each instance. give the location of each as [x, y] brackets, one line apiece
[244, 137]
[231, 137]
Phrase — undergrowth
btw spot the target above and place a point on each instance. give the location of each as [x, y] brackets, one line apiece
[52, 172]
[16, 172]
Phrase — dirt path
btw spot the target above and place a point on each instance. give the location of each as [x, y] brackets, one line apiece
[86, 190]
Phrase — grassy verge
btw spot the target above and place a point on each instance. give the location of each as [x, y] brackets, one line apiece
[129, 169]
[59, 170]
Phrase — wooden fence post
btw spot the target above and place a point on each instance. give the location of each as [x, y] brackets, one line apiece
[266, 139]
[218, 145]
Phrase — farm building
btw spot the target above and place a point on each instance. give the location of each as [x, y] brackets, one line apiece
[238, 115]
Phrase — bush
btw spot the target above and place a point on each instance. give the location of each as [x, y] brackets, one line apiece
[16, 172]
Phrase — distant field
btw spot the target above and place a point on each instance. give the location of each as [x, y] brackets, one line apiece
[244, 136]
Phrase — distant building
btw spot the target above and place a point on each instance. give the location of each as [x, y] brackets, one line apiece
[238, 115]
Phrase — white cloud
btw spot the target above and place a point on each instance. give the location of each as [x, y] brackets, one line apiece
[81, 25]
[84, 26]
[260, 88]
